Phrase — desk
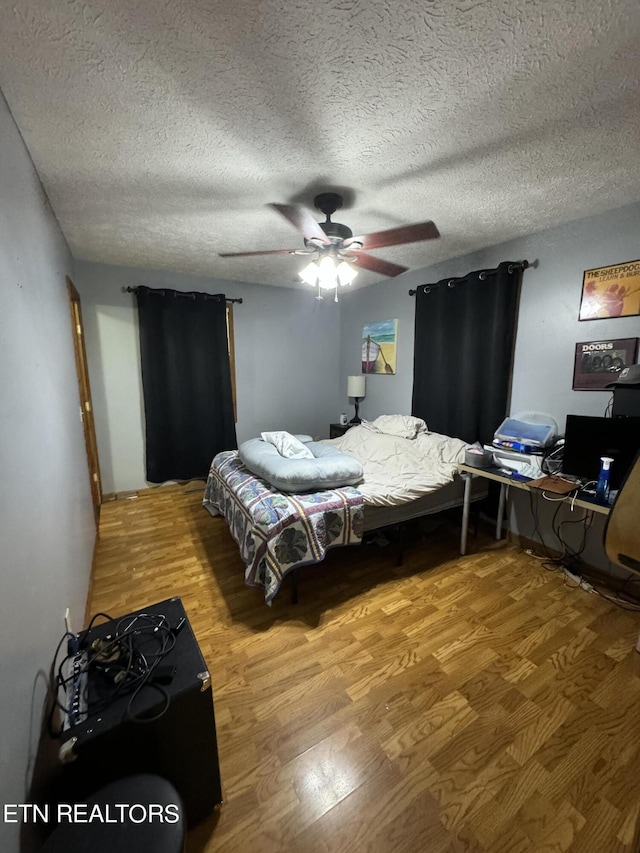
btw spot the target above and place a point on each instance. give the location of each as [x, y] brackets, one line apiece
[468, 472]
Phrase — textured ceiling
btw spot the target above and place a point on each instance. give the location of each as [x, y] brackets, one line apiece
[162, 128]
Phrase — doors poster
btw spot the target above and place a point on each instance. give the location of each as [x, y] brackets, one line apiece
[379, 347]
[598, 363]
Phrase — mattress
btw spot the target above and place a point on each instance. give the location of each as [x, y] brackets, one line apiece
[398, 470]
[446, 497]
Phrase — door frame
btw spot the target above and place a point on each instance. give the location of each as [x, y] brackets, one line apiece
[84, 391]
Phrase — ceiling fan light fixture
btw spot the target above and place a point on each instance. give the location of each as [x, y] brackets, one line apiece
[346, 273]
[309, 274]
[335, 243]
[327, 273]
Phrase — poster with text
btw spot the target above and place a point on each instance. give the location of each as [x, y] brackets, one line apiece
[597, 363]
[612, 291]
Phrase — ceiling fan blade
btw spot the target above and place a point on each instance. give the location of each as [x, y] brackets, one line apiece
[377, 264]
[303, 220]
[252, 254]
[396, 236]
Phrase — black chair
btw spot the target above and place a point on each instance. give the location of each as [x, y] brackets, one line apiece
[622, 532]
[147, 824]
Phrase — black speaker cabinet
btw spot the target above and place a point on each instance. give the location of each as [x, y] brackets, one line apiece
[170, 732]
[626, 402]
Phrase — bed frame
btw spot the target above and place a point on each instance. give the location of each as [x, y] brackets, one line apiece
[231, 488]
[398, 516]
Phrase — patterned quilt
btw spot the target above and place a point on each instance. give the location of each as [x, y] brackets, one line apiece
[278, 532]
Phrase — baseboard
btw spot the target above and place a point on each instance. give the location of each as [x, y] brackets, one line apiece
[189, 485]
[529, 544]
[118, 496]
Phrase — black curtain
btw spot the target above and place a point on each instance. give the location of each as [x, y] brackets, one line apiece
[186, 380]
[464, 339]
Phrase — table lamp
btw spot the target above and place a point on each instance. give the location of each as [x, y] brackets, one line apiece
[356, 389]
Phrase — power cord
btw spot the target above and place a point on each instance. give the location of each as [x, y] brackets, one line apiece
[552, 459]
[550, 562]
[104, 669]
[568, 555]
[55, 705]
[570, 559]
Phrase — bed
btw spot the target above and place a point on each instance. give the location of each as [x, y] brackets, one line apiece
[408, 472]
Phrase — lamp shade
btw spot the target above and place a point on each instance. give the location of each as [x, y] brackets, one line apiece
[328, 273]
[356, 386]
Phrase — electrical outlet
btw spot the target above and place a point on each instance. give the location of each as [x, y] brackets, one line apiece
[67, 621]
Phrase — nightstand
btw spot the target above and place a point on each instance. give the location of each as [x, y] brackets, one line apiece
[336, 430]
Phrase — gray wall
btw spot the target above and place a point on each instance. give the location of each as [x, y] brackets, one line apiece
[46, 519]
[548, 326]
[312, 347]
[287, 347]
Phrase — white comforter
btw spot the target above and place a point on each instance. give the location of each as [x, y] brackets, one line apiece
[396, 469]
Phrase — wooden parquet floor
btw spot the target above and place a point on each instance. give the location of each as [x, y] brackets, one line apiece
[450, 704]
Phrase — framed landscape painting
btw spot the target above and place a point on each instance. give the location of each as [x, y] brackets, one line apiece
[379, 342]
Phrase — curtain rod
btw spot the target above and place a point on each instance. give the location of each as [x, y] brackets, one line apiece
[186, 293]
[519, 265]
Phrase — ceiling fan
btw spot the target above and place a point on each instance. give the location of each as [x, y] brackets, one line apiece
[334, 249]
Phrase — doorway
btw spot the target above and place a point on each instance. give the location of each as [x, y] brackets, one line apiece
[84, 390]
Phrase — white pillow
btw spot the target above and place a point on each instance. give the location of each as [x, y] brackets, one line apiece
[287, 445]
[404, 426]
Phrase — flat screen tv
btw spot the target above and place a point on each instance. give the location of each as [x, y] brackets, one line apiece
[587, 439]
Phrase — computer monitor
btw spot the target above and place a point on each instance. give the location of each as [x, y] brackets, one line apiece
[587, 439]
